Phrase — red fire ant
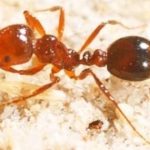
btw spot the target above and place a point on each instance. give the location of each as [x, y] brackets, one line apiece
[127, 58]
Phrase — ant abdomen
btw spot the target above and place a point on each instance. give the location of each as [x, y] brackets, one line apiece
[15, 45]
[129, 58]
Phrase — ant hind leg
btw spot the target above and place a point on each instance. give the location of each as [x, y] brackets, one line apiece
[88, 72]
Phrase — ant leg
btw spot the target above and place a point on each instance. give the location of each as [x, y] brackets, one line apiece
[38, 91]
[25, 72]
[71, 74]
[99, 28]
[43, 88]
[87, 72]
[34, 93]
[61, 23]
[34, 23]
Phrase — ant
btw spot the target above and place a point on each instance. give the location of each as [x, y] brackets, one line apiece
[127, 58]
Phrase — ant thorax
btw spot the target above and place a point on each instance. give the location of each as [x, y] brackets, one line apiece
[49, 49]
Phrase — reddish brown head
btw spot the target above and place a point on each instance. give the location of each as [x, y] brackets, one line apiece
[15, 45]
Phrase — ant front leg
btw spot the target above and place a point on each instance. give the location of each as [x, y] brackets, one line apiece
[95, 32]
[30, 71]
[88, 72]
[34, 23]
[61, 23]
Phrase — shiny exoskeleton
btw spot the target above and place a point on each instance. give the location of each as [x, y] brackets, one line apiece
[127, 58]
[15, 45]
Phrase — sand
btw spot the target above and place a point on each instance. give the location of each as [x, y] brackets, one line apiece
[59, 118]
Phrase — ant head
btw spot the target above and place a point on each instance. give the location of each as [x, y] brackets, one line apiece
[15, 45]
[129, 58]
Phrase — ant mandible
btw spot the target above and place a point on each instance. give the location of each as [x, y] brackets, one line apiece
[127, 58]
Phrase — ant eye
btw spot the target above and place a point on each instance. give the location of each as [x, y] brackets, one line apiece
[7, 59]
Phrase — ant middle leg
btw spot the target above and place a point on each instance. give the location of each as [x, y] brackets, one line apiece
[61, 23]
[95, 32]
[54, 80]
[34, 93]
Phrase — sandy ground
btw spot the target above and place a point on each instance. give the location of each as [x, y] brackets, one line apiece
[58, 119]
